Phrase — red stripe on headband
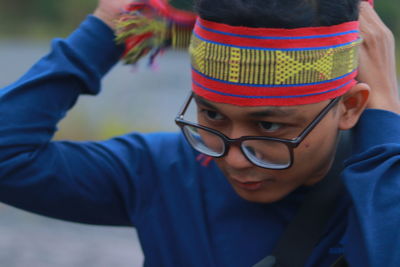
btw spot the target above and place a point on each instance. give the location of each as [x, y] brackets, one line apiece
[245, 95]
[310, 37]
[313, 56]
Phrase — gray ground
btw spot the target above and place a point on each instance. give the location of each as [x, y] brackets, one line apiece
[138, 100]
[28, 240]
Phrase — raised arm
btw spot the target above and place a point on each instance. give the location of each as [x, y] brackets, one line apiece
[372, 176]
[87, 181]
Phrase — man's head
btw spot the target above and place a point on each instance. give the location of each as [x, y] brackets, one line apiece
[288, 14]
[312, 158]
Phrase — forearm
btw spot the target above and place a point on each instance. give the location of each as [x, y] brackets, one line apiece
[31, 107]
[372, 179]
[64, 180]
[377, 61]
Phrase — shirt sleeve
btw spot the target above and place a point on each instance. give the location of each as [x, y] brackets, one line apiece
[372, 178]
[84, 182]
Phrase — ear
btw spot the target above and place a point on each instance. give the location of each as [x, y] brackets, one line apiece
[352, 105]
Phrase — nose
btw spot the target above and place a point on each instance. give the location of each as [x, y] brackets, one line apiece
[235, 158]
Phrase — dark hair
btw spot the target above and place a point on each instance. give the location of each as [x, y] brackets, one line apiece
[278, 13]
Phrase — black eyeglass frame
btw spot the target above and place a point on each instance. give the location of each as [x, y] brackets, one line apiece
[290, 143]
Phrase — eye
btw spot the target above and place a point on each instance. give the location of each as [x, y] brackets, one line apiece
[270, 126]
[212, 115]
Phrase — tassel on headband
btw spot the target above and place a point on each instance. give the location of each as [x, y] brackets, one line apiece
[148, 27]
[247, 66]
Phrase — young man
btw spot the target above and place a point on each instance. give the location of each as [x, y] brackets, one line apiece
[232, 211]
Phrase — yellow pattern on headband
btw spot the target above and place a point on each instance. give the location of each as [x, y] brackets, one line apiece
[272, 67]
[180, 36]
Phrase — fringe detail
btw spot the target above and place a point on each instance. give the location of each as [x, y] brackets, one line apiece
[145, 31]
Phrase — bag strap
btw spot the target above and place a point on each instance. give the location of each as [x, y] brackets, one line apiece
[306, 229]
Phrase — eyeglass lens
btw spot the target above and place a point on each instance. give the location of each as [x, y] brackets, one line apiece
[263, 153]
[204, 141]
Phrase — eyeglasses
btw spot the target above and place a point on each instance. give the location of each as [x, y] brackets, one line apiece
[265, 152]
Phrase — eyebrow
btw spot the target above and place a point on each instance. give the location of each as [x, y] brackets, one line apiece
[273, 112]
[203, 102]
[267, 112]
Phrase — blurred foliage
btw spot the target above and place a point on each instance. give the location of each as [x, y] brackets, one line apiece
[42, 18]
[38, 18]
[389, 11]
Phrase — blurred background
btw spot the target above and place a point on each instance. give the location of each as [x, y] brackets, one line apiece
[126, 104]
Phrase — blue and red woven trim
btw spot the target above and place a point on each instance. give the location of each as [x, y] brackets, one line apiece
[261, 66]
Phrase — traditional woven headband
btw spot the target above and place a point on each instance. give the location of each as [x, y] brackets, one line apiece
[280, 67]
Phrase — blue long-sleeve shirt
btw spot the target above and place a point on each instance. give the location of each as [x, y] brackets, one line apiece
[185, 212]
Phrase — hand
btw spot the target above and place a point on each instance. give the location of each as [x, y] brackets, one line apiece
[109, 10]
[377, 61]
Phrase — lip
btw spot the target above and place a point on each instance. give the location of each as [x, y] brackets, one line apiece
[249, 185]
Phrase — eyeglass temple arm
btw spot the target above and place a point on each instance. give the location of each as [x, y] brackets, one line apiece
[319, 117]
[184, 106]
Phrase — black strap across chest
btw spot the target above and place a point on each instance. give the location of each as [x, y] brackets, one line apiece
[306, 229]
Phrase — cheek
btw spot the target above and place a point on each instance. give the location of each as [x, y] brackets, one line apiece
[315, 153]
[317, 148]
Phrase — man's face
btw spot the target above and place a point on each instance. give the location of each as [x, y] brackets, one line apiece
[312, 158]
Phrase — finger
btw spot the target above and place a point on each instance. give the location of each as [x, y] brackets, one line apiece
[368, 13]
[366, 28]
[371, 25]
